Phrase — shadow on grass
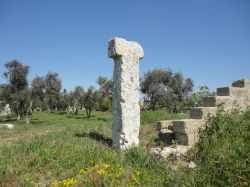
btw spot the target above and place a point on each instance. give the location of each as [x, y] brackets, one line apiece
[89, 118]
[36, 121]
[60, 112]
[9, 118]
[74, 116]
[78, 116]
[103, 119]
[96, 136]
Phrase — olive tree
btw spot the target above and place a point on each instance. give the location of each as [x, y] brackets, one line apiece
[195, 99]
[65, 101]
[16, 92]
[89, 100]
[164, 88]
[77, 98]
[53, 85]
[38, 92]
[104, 93]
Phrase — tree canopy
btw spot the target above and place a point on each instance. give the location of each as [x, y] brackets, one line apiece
[16, 92]
[164, 88]
[53, 86]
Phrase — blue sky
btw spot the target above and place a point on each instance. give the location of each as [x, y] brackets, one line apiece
[208, 41]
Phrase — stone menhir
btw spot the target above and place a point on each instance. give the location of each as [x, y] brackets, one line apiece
[125, 105]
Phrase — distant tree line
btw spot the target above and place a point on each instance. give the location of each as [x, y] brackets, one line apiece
[161, 89]
[45, 93]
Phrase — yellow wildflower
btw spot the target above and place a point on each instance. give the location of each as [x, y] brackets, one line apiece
[106, 165]
[55, 183]
[82, 171]
[137, 172]
[66, 182]
[101, 172]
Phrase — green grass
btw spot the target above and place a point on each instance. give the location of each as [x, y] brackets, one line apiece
[57, 146]
[149, 117]
[42, 122]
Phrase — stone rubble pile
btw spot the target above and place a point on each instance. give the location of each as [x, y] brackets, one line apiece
[180, 156]
[179, 150]
[185, 132]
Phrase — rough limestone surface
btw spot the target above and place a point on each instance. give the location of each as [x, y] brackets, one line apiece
[164, 124]
[125, 105]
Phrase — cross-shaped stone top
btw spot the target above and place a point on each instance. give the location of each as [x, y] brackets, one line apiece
[121, 47]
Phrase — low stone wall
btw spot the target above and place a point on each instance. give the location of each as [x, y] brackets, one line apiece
[185, 131]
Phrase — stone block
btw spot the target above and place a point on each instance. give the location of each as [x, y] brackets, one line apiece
[164, 124]
[227, 101]
[233, 91]
[167, 136]
[244, 83]
[202, 112]
[213, 101]
[187, 139]
[188, 125]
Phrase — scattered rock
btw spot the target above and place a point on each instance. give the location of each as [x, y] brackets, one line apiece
[179, 158]
[179, 150]
[155, 151]
[167, 151]
[7, 126]
[192, 165]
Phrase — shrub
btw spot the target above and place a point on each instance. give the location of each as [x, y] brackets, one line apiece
[223, 153]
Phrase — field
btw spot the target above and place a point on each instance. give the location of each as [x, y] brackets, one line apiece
[60, 149]
[58, 145]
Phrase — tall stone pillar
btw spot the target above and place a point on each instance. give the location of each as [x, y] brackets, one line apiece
[125, 106]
